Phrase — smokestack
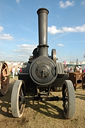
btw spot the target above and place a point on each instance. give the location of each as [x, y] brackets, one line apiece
[42, 29]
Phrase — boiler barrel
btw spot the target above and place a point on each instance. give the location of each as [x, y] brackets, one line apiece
[42, 28]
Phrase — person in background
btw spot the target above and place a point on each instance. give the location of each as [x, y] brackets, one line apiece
[13, 71]
[18, 69]
[84, 70]
[77, 69]
[80, 69]
[66, 70]
[71, 70]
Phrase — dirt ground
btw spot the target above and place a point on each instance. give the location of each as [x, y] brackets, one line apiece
[42, 115]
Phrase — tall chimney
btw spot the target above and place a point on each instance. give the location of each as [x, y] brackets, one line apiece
[42, 29]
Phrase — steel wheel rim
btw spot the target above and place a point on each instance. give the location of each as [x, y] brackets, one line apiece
[21, 101]
[65, 102]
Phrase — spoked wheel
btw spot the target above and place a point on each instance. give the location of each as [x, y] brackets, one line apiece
[18, 99]
[4, 76]
[68, 99]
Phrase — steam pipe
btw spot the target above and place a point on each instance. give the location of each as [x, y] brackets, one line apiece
[42, 30]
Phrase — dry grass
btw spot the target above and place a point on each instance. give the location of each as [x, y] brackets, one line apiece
[42, 115]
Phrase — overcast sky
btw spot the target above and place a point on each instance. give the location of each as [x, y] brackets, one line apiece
[19, 28]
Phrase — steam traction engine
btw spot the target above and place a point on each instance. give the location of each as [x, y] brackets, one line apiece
[42, 73]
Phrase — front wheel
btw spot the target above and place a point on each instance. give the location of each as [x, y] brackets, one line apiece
[17, 99]
[68, 99]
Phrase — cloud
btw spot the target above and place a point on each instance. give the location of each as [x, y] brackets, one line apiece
[17, 1]
[1, 28]
[83, 2]
[25, 50]
[6, 37]
[26, 47]
[2, 52]
[60, 45]
[66, 4]
[10, 56]
[54, 30]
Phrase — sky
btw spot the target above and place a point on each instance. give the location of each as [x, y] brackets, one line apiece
[19, 29]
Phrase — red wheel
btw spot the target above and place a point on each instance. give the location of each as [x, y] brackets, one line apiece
[4, 78]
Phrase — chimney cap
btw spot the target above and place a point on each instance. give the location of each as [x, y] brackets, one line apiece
[42, 10]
